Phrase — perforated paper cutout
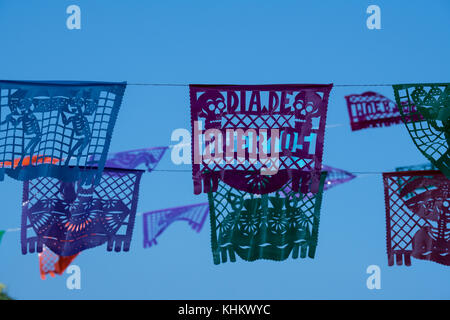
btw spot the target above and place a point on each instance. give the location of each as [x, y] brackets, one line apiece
[69, 217]
[257, 137]
[65, 121]
[132, 159]
[52, 264]
[334, 177]
[426, 114]
[417, 167]
[269, 226]
[417, 216]
[371, 109]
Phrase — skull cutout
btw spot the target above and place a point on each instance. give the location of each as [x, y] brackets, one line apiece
[254, 182]
[15, 101]
[212, 104]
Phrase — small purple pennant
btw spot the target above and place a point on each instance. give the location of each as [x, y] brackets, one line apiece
[426, 114]
[69, 217]
[155, 222]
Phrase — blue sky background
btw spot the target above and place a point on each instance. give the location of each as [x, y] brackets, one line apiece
[242, 42]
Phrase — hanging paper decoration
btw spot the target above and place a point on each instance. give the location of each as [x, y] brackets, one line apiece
[269, 226]
[426, 114]
[417, 167]
[50, 263]
[155, 222]
[336, 176]
[371, 109]
[65, 121]
[69, 217]
[257, 137]
[2, 232]
[132, 159]
[417, 216]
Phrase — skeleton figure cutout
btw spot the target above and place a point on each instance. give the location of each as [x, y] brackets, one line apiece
[67, 123]
[26, 118]
[80, 125]
[417, 216]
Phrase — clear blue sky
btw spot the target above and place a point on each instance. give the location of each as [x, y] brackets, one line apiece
[251, 42]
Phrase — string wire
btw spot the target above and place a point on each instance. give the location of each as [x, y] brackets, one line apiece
[187, 85]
